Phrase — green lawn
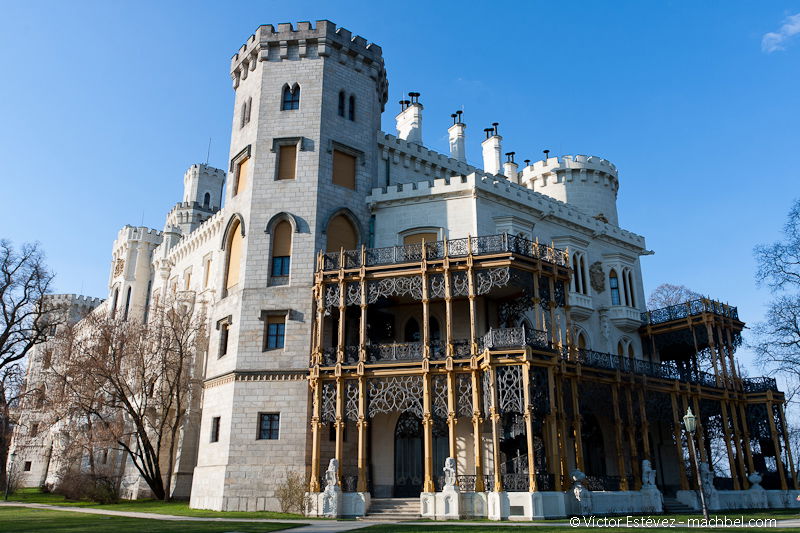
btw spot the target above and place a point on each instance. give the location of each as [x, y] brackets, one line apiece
[400, 528]
[178, 508]
[24, 520]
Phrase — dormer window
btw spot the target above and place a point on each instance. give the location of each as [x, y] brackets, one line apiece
[291, 98]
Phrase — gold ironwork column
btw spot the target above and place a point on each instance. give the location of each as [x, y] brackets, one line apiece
[526, 392]
[727, 430]
[676, 421]
[775, 441]
[636, 467]
[576, 425]
[623, 484]
[473, 333]
[426, 320]
[786, 444]
[645, 425]
[316, 390]
[427, 433]
[746, 437]
[477, 420]
[737, 442]
[451, 413]
[339, 425]
[552, 422]
[494, 417]
[362, 435]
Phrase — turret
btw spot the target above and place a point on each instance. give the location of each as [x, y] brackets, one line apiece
[202, 197]
[587, 182]
[131, 273]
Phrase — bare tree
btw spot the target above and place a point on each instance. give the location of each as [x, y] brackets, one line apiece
[776, 340]
[25, 322]
[131, 383]
[668, 294]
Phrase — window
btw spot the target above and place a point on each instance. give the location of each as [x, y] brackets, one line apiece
[287, 162]
[224, 333]
[291, 98]
[234, 256]
[581, 340]
[27, 467]
[417, 238]
[341, 104]
[276, 328]
[207, 200]
[114, 301]
[242, 175]
[351, 109]
[268, 424]
[341, 234]
[620, 349]
[245, 119]
[47, 358]
[627, 278]
[344, 169]
[613, 283]
[281, 249]
[579, 273]
[206, 271]
[187, 279]
[215, 429]
[34, 430]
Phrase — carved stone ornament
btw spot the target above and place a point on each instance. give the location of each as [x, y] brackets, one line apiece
[119, 266]
[597, 277]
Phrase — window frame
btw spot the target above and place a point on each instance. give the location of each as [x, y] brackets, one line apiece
[285, 266]
[216, 422]
[614, 289]
[274, 426]
[292, 103]
[278, 317]
[358, 155]
[235, 166]
[224, 328]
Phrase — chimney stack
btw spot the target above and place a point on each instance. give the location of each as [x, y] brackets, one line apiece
[510, 168]
[457, 138]
[409, 120]
[492, 150]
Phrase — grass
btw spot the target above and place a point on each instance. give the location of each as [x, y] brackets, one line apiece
[177, 508]
[24, 520]
[400, 528]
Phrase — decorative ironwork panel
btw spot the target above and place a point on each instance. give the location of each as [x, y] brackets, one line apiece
[544, 292]
[395, 394]
[762, 384]
[687, 309]
[351, 399]
[560, 293]
[487, 394]
[509, 389]
[460, 284]
[331, 296]
[540, 395]
[461, 348]
[328, 413]
[401, 286]
[436, 286]
[353, 294]
[438, 350]
[439, 404]
[351, 354]
[486, 280]
[401, 351]
[328, 356]
[464, 395]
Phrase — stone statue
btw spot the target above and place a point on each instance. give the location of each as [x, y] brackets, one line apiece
[757, 496]
[707, 485]
[332, 497]
[648, 475]
[449, 474]
[332, 474]
[582, 494]
[597, 277]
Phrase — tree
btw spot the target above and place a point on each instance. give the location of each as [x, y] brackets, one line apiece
[668, 294]
[25, 321]
[776, 340]
[130, 383]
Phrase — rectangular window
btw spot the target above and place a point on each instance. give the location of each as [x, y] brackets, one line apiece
[268, 424]
[276, 329]
[215, 429]
[242, 175]
[280, 266]
[27, 467]
[344, 169]
[187, 279]
[34, 430]
[224, 331]
[206, 272]
[418, 237]
[287, 161]
[613, 283]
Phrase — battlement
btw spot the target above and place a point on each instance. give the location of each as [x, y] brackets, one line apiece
[547, 206]
[79, 300]
[572, 162]
[200, 168]
[304, 41]
[193, 205]
[137, 234]
[413, 150]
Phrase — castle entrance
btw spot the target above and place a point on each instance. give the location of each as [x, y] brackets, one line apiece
[409, 453]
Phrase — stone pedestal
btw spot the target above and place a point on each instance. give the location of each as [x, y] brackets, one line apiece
[498, 505]
[448, 504]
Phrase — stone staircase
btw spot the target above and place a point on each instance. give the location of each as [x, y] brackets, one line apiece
[393, 509]
[672, 505]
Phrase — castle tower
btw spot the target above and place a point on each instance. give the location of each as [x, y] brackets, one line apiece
[202, 197]
[308, 101]
[589, 183]
[131, 271]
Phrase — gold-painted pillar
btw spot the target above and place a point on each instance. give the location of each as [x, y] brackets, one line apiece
[726, 429]
[552, 423]
[339, 451]
[776, 442]
[473, 331]
[363, 425]
[427, 433]
[645, 426]
[676, 421]
[737, 441]
[701, 439]
[526, 392]
[448, 303]
[316, 399]
[576, 425]
[340, 347]
[746, 438]
[787, 445]
[451, 413]
[477, 420]
[636, 467]
[494, 417]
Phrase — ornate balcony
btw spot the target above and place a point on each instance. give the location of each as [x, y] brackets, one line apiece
[452, 248]
[625, 318]
[688, 309]
[580, 305]
[498, 338]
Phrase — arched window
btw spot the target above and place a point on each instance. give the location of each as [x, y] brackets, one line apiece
[620, 348]
[341, 104]
[242, 175]
[233, 261]
[411, 333]
[341, 234]
[613, 283]
[114, 301]
[207, 200]
[351, 108]
[630, 287]
[576, 276]
[582, 270]
[581, 340]
[433, 330]
[127, 304]
[631, 351]
[281, 249]
[291, 98]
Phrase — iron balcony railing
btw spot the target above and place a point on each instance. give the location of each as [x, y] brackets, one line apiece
[687, 309]
[452, 248]
[497, 338]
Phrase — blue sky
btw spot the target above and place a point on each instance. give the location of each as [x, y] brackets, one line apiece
[103, 105]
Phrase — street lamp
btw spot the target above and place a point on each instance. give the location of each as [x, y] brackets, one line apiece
[690, 423]
[11, 457]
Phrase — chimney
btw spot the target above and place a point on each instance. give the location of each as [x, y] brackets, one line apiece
[491, 150]
[456, 131]
[409, 120]
[510, 168]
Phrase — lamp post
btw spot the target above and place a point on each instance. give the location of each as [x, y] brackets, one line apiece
[8, 472]
[690, 424]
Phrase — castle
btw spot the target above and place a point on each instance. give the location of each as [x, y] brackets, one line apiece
[378, 303]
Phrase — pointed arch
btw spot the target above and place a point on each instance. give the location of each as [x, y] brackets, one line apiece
[295, 222]
[351, 107]
[340, 109]
[412, 331]
[613, 284]
[290, 98]
[235, 222]
[342, 230]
